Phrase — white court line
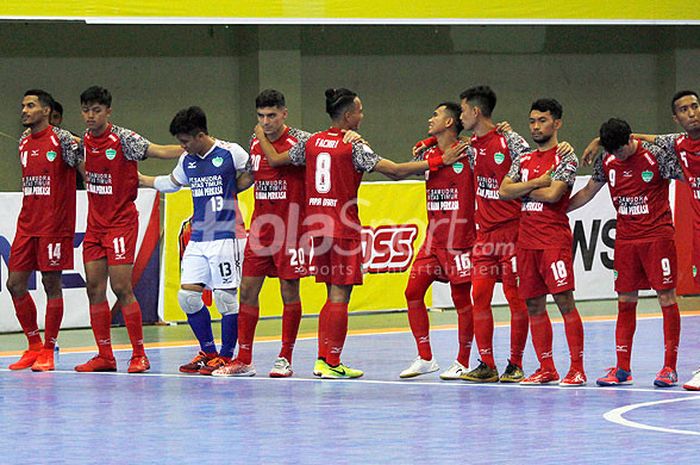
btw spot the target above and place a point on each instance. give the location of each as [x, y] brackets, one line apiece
[616, 416]
[452, 384]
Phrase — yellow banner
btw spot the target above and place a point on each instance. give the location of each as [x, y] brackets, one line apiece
[342, 10]
[392, 232]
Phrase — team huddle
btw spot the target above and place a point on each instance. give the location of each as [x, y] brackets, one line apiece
[496, 208]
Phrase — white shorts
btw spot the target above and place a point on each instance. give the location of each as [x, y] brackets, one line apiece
[216, 264]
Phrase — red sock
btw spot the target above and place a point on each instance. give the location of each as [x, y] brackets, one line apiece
[323, 332]
[519, 321]
[483, 319]
[291, 317]
[54, 316]
[672, 334]
[541, 329]
[461, 296]
[25, 309]
[419, 322]
[337, 331]
[574, 337]
[248, 316]
[624, 333]
[134, 326]
[101, 320]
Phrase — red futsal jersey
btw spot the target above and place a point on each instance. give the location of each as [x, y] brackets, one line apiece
[449, 195]
[491, 158]
[688, 152]
[48, 162]
[112, 177]
[279, 192]
[333, 173]
[639, 191]
[545, 225]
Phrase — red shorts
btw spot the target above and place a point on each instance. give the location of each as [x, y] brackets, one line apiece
[644, 265]
[276, 262]
[444, 265]
[30, 253]
[337, 261]
[542, 272]
[493, 255]
[117, 245]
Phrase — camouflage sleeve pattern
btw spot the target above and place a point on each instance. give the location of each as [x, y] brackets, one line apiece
[297, 154]
[71, 148]
[363, 157]
[565, 171]
[667, 142]
[516, 144]
[669, 167]
[514, 172]
[598, 174]
[134, 145]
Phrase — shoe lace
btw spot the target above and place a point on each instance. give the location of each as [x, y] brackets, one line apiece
[216, 361]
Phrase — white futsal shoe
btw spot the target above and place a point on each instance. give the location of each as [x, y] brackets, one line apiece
[694, 383]
[420, 367]
[455, 371]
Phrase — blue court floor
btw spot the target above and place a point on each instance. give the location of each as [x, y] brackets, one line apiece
[165, 417]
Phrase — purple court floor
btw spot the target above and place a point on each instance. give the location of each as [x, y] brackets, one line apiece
[65, 417]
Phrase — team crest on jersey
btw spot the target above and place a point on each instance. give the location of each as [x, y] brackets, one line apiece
[51, 155]
[498, 157]
[458, 167]
[111, 153]
[217, 161]
[615, 274]
[647, 176]
[695, 271]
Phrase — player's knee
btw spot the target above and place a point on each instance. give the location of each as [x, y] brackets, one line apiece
[226, 301]
[16, 287]
[289, 291]
[667, 298]
[413, 292]
[52, 285]
[248, 295]
[190, 301]
[123, 291]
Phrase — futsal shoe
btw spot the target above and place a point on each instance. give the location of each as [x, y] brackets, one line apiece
[235, 368]
[694, 383]
[455, 371]
[26, 360]
[44, 362]
[340, 372]
[139, 364]
[667, 377]
[97, 363]
[213, 365]
[482, 374]
[197, 363]
[420, 367]
[541, 376]
[319, 366]
[574, 378]
[281, 368]
[615, 377]
[513, 374]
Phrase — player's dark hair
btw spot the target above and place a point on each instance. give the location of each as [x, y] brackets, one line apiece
[614, 133]
[548, 105]
[270, 98]
[338, 101]
[57, 107]
[679, 95]
[96, 94]
[190, 121]
[45, 99]
[480, 96]
[455, 111]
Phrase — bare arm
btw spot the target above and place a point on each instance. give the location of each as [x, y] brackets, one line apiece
[244, 181]
[582, 197]
[164, 152]
[397, 171]
[274, 159]
[551, 193]
[510, 189]
[81, 170]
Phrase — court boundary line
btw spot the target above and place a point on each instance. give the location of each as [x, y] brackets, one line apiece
[616, 416]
